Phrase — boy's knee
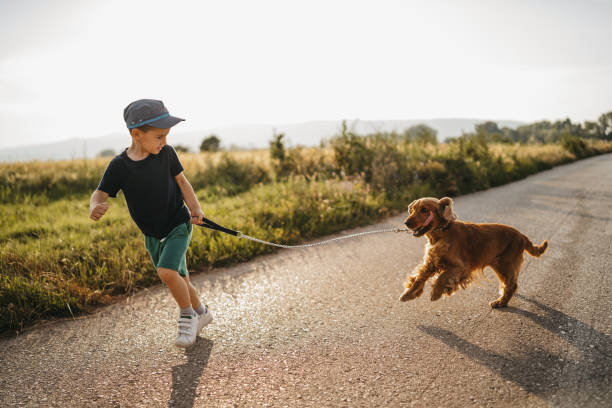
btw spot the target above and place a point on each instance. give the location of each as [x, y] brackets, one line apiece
[188, 282]
[166, 274]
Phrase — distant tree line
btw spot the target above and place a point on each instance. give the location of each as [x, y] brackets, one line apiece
[547, 132]
[561, 131]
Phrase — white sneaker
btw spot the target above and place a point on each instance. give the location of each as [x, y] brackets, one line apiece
[204, 319]
[187, 326]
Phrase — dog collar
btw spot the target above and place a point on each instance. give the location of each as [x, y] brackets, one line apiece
[443, 227]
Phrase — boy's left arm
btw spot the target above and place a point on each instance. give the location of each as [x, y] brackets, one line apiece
[190, 198]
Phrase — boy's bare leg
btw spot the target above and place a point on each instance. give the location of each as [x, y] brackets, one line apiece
[193, 295]
[178, 287]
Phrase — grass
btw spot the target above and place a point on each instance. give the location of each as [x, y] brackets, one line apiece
[55, 261]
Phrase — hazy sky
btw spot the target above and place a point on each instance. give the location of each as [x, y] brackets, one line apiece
[68, 68]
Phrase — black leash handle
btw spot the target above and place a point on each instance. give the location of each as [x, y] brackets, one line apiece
[206, 223]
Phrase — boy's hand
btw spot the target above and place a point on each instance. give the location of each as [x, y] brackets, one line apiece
[98, 210]
[196, 217]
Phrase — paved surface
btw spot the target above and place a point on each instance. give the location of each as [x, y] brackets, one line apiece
[323, 326]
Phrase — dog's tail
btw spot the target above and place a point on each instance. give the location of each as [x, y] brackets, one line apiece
[534, 250]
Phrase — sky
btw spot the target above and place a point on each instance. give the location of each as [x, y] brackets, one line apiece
[68, 67]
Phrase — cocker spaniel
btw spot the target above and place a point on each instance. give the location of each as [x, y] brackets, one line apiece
[458, 250]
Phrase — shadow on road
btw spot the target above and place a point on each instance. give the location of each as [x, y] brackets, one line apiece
[582, 336]
[540, 371]
[185, 377]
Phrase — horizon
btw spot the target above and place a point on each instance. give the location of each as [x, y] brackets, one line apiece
[245, 137]
[207, 132]
[64, 74]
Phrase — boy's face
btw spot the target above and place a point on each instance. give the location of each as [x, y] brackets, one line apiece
[152, 140]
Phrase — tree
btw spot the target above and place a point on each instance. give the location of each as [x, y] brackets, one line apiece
[107, 153]
[491, 132]
[210, 144]
[283, 159]
[488, 128]
[509, 135]
[593, 130]
[277, 147]
[605, 125]
[421, 134]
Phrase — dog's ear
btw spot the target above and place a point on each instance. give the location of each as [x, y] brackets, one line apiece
[445, 207]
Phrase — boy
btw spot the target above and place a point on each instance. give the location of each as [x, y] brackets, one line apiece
[151, 177]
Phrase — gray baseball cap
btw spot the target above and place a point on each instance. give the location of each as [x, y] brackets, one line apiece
[148, 112]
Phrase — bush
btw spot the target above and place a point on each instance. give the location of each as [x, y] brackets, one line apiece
[391, 171]
[574, 145]
[351, 154]
[230, 176]
[284, 161]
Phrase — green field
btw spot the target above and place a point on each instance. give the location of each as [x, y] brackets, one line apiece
[55, 261]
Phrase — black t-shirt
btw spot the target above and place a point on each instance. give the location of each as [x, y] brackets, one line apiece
[152, 194]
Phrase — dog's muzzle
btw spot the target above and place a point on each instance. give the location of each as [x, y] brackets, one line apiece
[423, 228]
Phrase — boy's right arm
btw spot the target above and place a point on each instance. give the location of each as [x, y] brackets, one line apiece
[98, 205]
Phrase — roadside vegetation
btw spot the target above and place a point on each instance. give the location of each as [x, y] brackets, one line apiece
[55, 261]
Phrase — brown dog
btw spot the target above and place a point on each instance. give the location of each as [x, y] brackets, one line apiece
[458, 250]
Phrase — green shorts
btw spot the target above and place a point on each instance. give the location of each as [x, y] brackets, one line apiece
[170, 252]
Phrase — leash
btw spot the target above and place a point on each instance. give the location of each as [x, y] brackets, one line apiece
[206, 223]
[214, 226]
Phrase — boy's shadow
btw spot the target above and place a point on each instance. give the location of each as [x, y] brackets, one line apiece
[185, 377]
[538, 370]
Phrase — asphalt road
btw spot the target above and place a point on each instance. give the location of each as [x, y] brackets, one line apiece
[323, 326]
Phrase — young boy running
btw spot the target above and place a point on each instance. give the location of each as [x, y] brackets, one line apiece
[156, 191]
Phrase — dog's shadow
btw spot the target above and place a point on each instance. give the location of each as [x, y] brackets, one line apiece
[543, 372]
[185, 377]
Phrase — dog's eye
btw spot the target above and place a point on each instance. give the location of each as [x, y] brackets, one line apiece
[423, 210]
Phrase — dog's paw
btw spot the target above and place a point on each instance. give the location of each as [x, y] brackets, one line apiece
[435, 295]
[496, 304]
[405, 296]
[411, 293]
